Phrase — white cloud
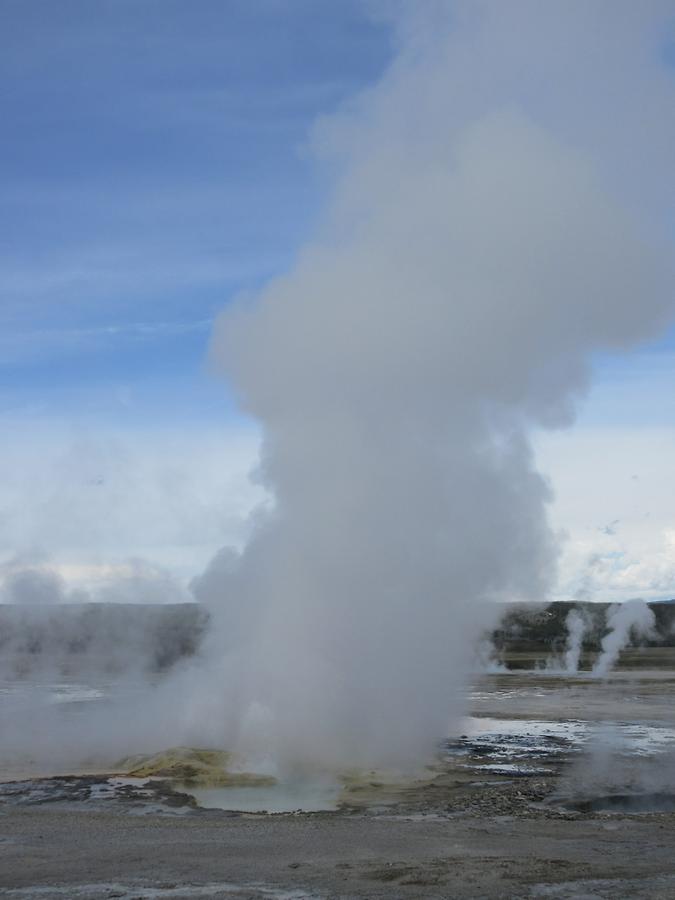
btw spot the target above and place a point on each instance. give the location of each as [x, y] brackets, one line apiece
[619, 477]
[91, 499]
[98, 504]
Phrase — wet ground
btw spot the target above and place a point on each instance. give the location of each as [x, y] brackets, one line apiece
[553, 787]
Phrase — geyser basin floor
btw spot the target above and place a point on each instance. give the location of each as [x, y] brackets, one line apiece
[504, 816]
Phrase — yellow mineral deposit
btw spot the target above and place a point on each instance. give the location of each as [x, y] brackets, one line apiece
[193, 767]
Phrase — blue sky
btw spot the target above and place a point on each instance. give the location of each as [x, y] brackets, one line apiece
[153, 165]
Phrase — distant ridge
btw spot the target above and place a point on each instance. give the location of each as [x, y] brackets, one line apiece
[531, 632]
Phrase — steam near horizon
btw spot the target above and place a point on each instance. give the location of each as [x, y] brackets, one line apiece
[486, 236]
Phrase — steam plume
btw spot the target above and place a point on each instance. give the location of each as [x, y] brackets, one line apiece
[632, 619]
[487, 657]
[475, 254]
[577, 625]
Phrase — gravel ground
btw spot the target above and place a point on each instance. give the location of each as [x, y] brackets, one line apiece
[54, 853]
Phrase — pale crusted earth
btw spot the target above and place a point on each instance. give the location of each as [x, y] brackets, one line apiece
[534, 800]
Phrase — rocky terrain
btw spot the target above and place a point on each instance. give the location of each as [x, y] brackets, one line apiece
[555, 787]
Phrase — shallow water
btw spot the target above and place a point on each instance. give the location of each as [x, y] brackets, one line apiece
[277, 798]
[522, 737]
[19, 692]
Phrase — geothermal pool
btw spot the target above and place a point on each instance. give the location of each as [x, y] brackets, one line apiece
[283, 797]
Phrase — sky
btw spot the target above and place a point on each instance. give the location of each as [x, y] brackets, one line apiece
[155, 165]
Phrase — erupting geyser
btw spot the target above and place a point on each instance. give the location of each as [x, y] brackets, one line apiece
[484, 238]
[476, 252]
